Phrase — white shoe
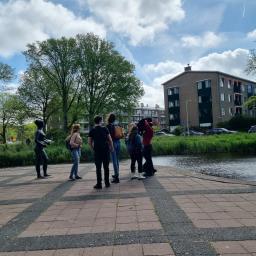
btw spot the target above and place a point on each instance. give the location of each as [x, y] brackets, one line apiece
[133, 176]
[141, 177]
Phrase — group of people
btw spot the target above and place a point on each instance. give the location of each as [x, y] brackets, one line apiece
[104, 141]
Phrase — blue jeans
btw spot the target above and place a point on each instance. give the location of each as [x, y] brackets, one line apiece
[75, 153]
[115, 157]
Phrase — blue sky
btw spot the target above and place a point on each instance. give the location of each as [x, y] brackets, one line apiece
[159, 36]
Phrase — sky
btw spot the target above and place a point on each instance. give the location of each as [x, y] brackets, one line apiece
[159, 37]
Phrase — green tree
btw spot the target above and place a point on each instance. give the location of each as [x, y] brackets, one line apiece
[10, 108]
[251, 102]
[39, 94]
[57, 60]
[6, 74]
[107, 79]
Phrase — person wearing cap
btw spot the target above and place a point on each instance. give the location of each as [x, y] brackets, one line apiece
[41, 143]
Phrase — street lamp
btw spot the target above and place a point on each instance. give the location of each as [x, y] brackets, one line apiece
[187, 101]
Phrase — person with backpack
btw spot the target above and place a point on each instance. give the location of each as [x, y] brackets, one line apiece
[75, 144]
[116, 133]
[134, 146]
[101, 143]
[41, 143]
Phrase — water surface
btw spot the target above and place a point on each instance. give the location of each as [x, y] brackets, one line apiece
[222, 165]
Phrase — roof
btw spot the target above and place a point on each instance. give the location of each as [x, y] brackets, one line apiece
[205, 71]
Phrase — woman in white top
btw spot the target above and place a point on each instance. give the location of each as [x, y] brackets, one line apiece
[75, 145]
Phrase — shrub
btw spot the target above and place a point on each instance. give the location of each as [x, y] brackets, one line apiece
[178, 130]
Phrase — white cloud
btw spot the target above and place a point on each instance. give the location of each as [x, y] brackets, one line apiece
[138, 20]
[153, 95]
[26, 21]
[207, 40]
[252, 34]
[231, 62]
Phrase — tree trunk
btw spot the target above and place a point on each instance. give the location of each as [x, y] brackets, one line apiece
[65, 115]
[4, 134]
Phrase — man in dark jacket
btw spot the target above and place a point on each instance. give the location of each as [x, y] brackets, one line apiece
[101, 143]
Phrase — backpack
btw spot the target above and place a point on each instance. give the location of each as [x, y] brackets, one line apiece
[119, 132]
[67, 143]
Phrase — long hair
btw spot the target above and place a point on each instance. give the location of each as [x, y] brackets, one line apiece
[133, 133]
[111, 118]
[75, 128]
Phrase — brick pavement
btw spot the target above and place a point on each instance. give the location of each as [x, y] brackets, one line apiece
[172, 213]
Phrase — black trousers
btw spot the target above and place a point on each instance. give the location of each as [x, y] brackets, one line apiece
[102, 157]
[41, 158]
[148, 167]
[136, 157]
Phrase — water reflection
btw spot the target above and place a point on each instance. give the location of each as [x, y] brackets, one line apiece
[222, 165]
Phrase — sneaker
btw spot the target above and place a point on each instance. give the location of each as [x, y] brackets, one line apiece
[71, 179]
[47, 175]
[141, 177]
[78, 178]
[107, 185]
[115, 180]
[98, 186]
[40, 177]
[133, 176]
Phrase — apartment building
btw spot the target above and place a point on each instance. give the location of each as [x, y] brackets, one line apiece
[205, 98]
[156, 113]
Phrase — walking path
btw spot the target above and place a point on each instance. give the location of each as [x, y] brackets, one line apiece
[170, 214]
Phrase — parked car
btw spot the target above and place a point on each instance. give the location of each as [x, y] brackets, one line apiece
[165, 131]
[220, 131]
[163, 134]
[192, 133]
[252, 129]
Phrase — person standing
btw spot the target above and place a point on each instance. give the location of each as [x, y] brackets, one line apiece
[148, 166]
[115, 136]
[101, 143]
[41, 143]
[75, 147]
[134, 146]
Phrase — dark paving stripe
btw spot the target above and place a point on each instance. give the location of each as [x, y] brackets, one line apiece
[229, 234]
[173, 177]
[18, 201]
[102, 196]
[213, 191]
[175, 222]
[84, 240]
[14, 227]
[32, 183]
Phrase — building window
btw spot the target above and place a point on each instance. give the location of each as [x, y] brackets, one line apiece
[223, 111]
[177, 104]
[222, 97]
[222, 80]
[255, 91]
[199, 99]
[171, 117]
[199, 85]
[243, 89]
[170, 91]
[230, 98]
[171, 104]
[231, 111]
[249, 88]
[176, 90]
[208, 84]
[229, 84]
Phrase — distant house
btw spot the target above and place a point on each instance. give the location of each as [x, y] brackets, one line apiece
[205, 98]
